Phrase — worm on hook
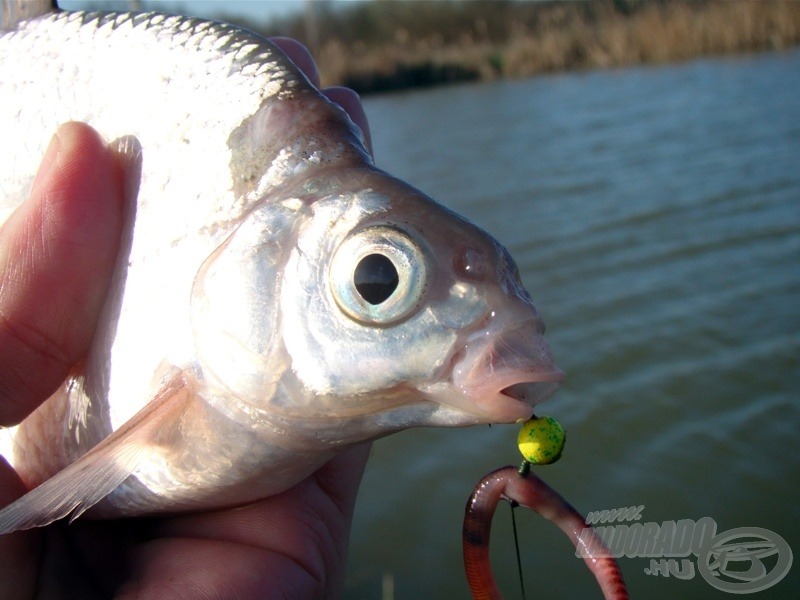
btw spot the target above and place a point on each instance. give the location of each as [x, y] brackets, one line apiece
[530, 491]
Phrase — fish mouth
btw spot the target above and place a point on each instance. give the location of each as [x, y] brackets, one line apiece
[515, 402]
[531, 393]
[519, 399]
[499, 376]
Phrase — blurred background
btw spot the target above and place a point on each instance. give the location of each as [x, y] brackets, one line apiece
[641, 161]
[382, 45]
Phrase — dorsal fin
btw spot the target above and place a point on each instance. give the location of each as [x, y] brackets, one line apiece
[14, 11]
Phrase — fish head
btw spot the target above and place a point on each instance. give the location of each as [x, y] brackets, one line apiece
[397, 312]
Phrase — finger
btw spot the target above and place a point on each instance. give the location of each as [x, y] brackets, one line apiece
[57, 252]
[299, 538]
[300, 56]
[344, 97]
[351, 103]
[340, 480]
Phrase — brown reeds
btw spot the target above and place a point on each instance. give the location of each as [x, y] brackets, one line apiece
[383, 44]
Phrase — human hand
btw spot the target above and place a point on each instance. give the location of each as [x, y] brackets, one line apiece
[57, 253]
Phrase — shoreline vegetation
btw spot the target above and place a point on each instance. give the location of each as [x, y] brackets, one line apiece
[384, 45]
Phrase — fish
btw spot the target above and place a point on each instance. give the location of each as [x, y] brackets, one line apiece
[277, 297]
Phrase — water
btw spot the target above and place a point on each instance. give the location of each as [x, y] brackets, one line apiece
[655, 216]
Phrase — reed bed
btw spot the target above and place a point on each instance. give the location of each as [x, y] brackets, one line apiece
[382, 44]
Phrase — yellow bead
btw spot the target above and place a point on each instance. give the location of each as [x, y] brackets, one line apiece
[541, 440]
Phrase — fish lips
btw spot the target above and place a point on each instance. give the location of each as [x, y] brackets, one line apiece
[498, 376]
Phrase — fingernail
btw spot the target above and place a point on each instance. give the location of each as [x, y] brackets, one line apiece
[129, 154]
[50, 157]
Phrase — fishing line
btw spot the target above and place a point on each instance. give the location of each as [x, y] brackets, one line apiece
[513, 504]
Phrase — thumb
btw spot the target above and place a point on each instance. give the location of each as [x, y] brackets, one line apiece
[57, 252]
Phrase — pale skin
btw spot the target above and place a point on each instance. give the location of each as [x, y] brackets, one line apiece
[56, 256]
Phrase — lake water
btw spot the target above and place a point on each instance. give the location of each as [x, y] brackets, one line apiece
[655, 216]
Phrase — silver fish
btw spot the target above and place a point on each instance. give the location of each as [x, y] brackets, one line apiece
[279, 299]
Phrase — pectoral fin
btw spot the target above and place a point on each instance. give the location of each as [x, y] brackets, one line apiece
[100, 471]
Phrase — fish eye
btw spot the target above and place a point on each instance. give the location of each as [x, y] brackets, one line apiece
[378, 275]
[376, 278]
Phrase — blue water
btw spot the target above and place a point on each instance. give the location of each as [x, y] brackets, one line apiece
[655, 216]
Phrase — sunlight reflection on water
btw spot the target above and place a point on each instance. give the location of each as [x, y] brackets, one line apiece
[654, 214]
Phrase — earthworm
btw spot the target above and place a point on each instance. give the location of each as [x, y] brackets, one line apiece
[530, 491]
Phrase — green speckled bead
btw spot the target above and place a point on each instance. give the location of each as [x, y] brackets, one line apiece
[541, 440]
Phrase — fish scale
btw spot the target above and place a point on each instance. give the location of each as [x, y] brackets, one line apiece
[183, 139]
[235, 354]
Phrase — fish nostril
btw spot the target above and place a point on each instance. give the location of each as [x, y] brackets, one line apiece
[469, 264]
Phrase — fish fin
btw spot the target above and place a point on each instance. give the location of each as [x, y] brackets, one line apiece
[100, 471]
